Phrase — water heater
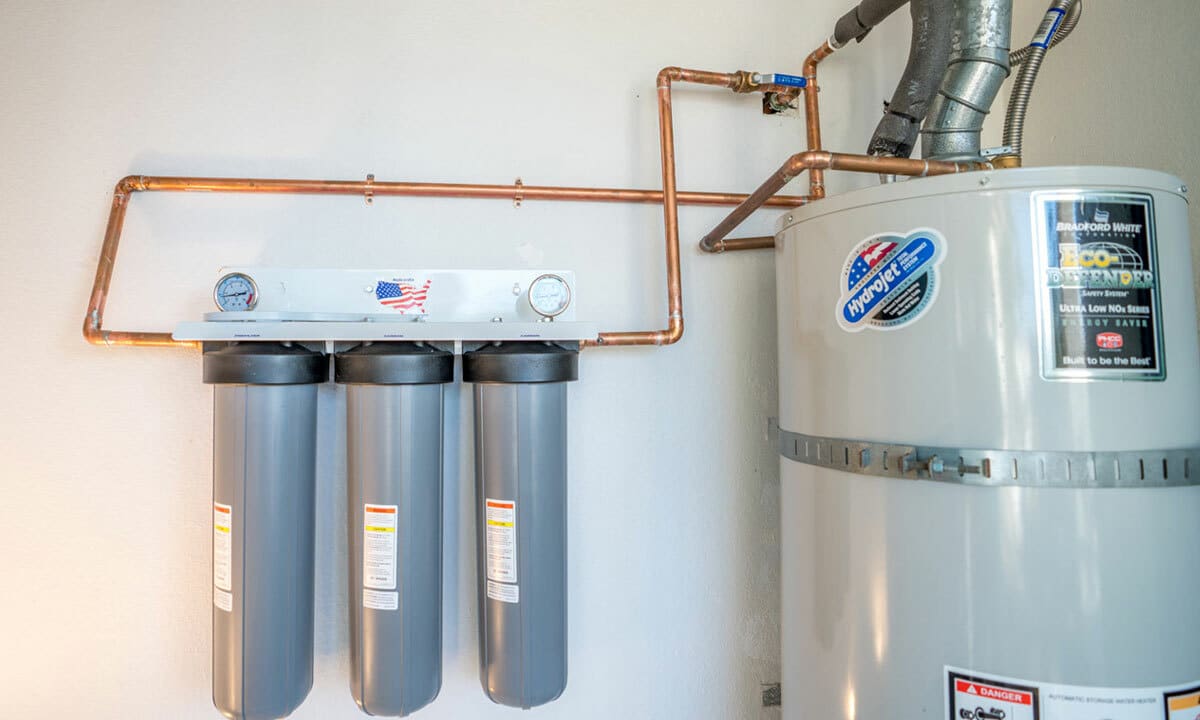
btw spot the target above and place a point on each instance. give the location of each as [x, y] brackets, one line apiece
[988, 437]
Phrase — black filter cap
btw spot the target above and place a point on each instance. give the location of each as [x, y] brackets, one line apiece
[393, 363]
[521, 362]
[264, 363]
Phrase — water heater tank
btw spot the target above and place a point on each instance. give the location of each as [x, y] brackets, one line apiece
[989, 419]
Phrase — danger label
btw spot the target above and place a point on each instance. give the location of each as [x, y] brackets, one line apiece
[995, 693]
[379, 547]
[971, 698]
[223, 556]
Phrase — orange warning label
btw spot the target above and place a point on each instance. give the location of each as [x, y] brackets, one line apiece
[1186, 704]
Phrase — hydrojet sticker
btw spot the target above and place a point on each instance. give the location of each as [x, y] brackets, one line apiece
[890, 280]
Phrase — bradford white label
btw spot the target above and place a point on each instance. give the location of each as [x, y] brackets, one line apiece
[1099, 285]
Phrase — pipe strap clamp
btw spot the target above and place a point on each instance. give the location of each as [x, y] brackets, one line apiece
[997, 468]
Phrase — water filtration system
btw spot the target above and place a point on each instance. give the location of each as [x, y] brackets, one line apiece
[988, 425]
[393, 336]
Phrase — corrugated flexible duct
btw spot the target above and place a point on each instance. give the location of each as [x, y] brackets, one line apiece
[978, 67]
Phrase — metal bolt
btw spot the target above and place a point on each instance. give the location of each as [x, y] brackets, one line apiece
[984, 180]
[788, 218]
[1183, 189]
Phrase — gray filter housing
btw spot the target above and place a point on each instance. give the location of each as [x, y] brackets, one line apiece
[264, 465]
[394, 478]
[521, 523]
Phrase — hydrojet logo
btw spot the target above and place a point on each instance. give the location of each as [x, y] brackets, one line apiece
[890, 280]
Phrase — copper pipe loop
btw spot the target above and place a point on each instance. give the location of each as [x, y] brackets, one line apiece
[669, 197]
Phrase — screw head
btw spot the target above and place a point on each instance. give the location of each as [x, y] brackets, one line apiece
[1183, 189]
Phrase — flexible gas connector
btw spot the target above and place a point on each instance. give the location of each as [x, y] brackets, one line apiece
[1060, 19]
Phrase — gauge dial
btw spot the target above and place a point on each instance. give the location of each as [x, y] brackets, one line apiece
[235, 292]
[549, 295]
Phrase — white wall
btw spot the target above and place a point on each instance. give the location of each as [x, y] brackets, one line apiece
[106, 453]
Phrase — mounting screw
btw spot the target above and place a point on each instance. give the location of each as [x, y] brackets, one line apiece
[516, 288]
[497, 319]
[368, 288]
[985, 180]
[788, 218]
[1183, 189]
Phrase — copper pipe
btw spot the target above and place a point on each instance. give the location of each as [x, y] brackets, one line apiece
[714, 241]
[670, 198]
[812, 115]
[446, 190]
[92, 330]
[666, 132]
[760, 242]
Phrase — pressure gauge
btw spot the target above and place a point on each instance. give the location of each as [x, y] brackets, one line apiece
[236, 291]
[549, 295]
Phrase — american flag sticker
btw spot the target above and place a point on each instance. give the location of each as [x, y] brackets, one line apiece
[407, 297]
[890, 280]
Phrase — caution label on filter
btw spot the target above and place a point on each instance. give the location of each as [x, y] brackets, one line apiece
[504, 592]
[379, 547]
[381, 599]
[500, 517]
[223, 556]
[975, 696]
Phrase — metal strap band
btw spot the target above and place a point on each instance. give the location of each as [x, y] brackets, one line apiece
[1129, 469]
